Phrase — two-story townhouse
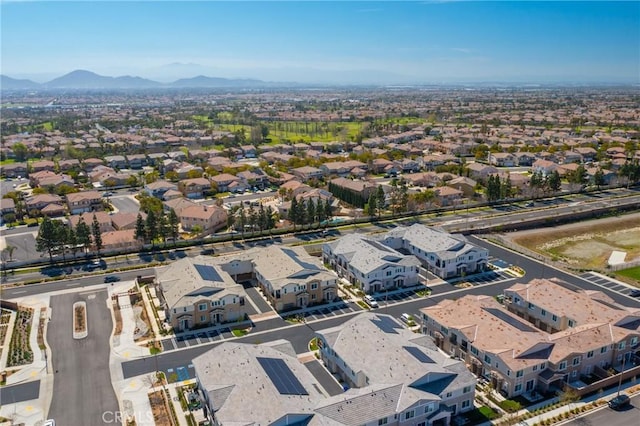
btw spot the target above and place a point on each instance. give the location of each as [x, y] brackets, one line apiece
[39, 166]
[116, 161]
[197, 293]
[40, 201]
[253, 178]
[544, 166]
[85, 201]
[159, 188]
[502, 159]
[14, 170]
[369, 264]
[71, 164]
[373, 350]
[136, 161]
[448, 196]
[208, 218]
[194, 188]
[223, 181]
[103, 218]
[7, 209]
[446, 255]
[307, 172]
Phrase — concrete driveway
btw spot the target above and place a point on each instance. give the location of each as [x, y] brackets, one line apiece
[82, 389]
[125, 203]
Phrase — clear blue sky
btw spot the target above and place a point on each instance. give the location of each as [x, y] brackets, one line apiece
[430, 41]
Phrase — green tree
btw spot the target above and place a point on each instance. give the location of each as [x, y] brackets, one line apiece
[598, 178]
[380, 200]
[140, 232]
[553, 181]
[97, 234]
[151, 227]
[173, 225]
[83, 234]
[370, 208]
[20, 150]
[47, 238]
[311, 211]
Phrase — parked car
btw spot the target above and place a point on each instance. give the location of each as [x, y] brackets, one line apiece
[619, 402]
[369, 300]
[49, 422]
[635, 293]
[407, 319]
[111, 279]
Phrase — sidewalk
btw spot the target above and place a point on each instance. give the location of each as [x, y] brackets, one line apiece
[32, 412]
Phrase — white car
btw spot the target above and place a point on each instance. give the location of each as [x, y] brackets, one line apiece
[369, 300]
[49, 422]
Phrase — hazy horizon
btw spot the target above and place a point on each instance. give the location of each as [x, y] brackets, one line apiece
[432, 42]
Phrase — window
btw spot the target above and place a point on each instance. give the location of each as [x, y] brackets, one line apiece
[487, 359]
[202, 307]
[603, 349]
[543, 366]
[203, 318]
[518, 388]
[314, 286]
[535, 368]
[409, 415]
[531, 306]
[474, 350]
[563, 366]
[389, 273]
[466, 389]
[622, 344]
[382, 422]
[590, 354]
[572, 323]
[520, 373]
[509, 373]
[576, 361]
[543, 313]
[554, 318]
[634, 341]
[313, 297]
[466, 404]
[448, 395]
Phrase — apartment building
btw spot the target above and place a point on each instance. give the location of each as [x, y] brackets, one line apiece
[586, 335]
[369, 264]
[256, 384]
[196, 293]
[375, 352]
[446, 255]
[289, 277]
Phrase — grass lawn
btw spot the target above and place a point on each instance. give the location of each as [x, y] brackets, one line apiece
[633, 273]
[7, 161]
[239, 333]
[313, 344]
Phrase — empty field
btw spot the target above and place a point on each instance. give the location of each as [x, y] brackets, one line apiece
[586, 244]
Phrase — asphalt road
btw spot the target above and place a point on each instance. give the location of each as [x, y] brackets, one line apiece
[29, 290]
[606, 416]
[7, 186]
[82, 389]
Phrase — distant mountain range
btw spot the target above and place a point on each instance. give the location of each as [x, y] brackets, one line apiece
[81, 79]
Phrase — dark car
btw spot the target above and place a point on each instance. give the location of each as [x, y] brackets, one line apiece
[635, 293]
[619, 401]
[111, 279]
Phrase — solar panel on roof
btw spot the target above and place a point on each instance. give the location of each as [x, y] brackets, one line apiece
[282, 377]
[418, 354]
[208, 273]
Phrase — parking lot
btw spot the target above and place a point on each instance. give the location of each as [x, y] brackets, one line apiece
[612, 285]
[196, 338]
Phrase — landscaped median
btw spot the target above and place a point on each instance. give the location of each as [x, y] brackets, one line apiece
[80, 326]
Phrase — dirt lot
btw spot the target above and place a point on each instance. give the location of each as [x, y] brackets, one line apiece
[585, 244]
